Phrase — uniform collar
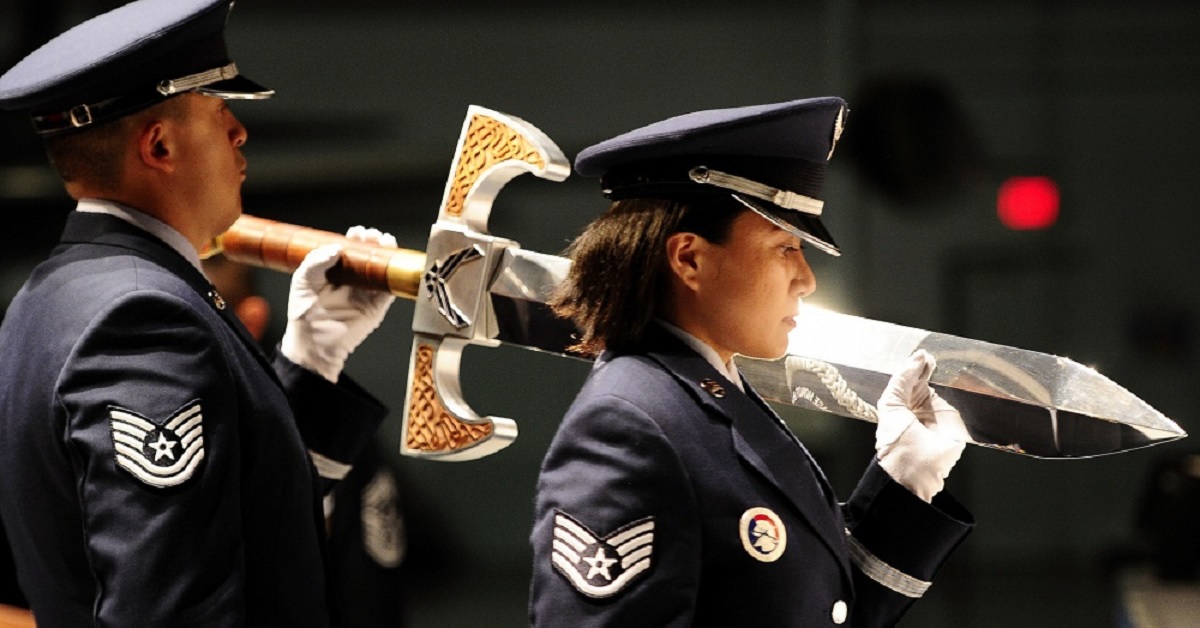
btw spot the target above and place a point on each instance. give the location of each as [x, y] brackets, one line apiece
[145, 222]
[760, 438]
[727, 369]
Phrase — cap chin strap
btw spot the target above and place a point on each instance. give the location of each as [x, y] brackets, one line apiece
[201, 80]
[783, 198]
[197, 80]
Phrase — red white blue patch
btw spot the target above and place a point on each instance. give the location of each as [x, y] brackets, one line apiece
[763, 535]
[601, 567]
[159, 455]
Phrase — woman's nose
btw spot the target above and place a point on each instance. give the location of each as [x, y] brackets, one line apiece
[805, 280]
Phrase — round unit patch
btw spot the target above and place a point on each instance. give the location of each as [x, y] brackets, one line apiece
[763, 534]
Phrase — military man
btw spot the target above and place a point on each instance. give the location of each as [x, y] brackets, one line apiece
[156, 467]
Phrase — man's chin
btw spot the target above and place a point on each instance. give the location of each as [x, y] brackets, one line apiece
[228, 218]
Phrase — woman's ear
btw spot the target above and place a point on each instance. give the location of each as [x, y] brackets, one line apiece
[683, 258]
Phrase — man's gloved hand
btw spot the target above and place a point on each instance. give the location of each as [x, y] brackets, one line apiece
[919, 436]
[327, 322]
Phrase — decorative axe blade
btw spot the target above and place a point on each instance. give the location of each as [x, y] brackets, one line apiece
[452, 308]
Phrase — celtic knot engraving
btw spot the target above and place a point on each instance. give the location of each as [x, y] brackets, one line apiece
[488, 142]
[431, 428]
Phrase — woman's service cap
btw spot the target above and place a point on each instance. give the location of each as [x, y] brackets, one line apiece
[771, 158]
[124, 61]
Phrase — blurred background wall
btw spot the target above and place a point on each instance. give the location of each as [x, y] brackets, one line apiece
[948, 101]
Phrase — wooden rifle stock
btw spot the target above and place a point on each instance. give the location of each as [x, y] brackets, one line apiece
[282, 246]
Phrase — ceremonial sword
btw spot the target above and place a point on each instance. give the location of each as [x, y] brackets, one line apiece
[471, 287]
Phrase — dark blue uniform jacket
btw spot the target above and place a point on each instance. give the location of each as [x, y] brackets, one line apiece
[670, 498]
[154, 464]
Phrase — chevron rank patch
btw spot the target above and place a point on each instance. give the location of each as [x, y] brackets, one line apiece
[160, 455]
[601, 567]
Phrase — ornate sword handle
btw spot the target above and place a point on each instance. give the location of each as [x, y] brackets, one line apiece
[453, 307]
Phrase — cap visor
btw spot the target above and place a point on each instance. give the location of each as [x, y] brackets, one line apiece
[237, 88]
[804, 226]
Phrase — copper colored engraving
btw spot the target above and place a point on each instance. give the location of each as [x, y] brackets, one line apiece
[487, 142]
[431, 428]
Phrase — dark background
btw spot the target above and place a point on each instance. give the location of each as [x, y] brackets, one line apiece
[948, 100]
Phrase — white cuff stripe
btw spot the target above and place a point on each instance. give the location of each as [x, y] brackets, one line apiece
[329, 468]
[884, 573]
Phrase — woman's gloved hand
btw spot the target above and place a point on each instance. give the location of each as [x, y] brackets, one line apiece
[919, 436]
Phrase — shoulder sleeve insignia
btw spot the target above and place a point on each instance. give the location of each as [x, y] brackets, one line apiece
[159, 455]
[601, 567]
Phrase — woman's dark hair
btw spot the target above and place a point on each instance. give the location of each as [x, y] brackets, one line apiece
[612, 290]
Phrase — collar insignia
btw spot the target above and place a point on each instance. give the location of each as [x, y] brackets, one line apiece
[711, 387]
[159, 455]
[601, 567]
[763, 535]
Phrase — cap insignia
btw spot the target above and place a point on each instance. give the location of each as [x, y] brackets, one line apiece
[839, 125]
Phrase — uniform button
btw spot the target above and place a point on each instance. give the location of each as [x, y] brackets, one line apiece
[839, 612]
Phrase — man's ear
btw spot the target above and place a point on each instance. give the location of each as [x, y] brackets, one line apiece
[684, 251]
[156, 147]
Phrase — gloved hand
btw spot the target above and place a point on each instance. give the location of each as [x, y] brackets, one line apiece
[327, 322]
[919, 436]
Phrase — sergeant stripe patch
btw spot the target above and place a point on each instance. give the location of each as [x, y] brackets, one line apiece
[601, 567]
[159, 455]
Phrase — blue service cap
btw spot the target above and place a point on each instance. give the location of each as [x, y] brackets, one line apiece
[771, 158]
[124, 61]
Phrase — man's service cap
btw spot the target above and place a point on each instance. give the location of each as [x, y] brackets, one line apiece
[124, 61]
[771, 158]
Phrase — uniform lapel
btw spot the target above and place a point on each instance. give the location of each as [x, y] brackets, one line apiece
[757, 432]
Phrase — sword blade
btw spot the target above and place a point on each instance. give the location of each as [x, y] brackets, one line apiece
[524, 283]
[1011, 399]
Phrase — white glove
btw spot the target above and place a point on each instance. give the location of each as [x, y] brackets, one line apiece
[919, 436]
[327, 322]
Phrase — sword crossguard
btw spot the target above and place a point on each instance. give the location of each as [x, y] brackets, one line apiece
[453, 307]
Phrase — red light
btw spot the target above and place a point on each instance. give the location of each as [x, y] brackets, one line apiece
[1027, 203]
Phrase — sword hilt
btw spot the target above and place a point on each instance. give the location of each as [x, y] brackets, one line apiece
[455, 311]
[281, 246]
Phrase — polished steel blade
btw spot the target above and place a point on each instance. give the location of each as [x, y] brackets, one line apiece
[1017, 400]
[1011, 399]
[519, 292]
